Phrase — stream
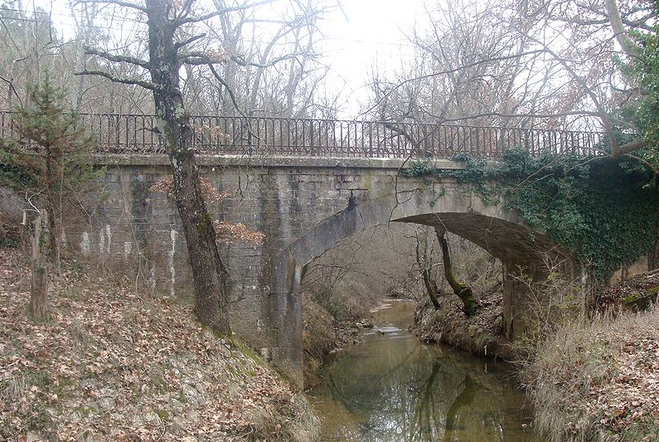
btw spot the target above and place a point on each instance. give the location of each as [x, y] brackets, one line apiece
[393, 388]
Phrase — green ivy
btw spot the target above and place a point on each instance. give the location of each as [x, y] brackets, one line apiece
[602, 210]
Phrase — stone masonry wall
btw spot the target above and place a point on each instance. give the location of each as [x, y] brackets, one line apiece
[137, 231]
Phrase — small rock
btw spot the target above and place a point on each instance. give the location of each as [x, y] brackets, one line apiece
[151, 417]
[176, 404]
[106, 403]
[190, 393]
[177, 425]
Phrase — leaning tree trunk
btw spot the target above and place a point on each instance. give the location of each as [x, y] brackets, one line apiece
[463, 291]
[39, 289]
[431, 288]
[208, 271]
[426, 271]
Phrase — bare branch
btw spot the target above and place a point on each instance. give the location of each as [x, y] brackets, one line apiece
[626, 149]
[141, 83]
[232, 95]
[11, 86]
[242, 62]
[118, 58]
[451, 71]
[185, 20]
[186, 42]
[197, 58]
[628, 45]
[601, 112]
[522, 115]
[112, 2]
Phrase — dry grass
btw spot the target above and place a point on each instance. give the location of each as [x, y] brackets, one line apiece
[599, 381]
[116, 365]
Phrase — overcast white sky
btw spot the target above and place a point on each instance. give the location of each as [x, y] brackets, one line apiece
[372, 34]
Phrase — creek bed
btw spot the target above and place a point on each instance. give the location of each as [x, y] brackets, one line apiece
[393, 388]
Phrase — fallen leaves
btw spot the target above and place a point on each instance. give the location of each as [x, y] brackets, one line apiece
[633, 395]
[117, 365]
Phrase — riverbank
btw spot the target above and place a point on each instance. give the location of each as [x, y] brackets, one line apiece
[589, 380]
[330, 327]
[598, 381]
[116, 364]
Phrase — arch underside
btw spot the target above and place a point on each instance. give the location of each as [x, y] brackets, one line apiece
[505, 240]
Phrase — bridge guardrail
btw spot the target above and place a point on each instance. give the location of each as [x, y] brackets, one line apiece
[123, 133]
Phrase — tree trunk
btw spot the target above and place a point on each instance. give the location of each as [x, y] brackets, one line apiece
[209, 273]
[426, 270]
[463, 291]
[431, 288]
[39, 289]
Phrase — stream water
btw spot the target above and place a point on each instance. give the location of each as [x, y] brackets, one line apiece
[392, 388]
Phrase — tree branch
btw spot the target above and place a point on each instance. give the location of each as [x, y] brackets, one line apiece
[628, 45]
[197, 58]
[185, 20]
[451, 71]
[626, 149]
[241, 61]
[183, 43]
[232, 95]
[11, 86]
[118, 58]
[520, 115]
[141, 83]
[112, 2]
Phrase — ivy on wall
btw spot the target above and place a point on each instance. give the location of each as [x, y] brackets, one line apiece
[601, 210]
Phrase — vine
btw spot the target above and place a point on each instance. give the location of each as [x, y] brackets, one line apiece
[601, 210]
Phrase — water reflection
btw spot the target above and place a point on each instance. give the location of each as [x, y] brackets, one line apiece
[392, 388]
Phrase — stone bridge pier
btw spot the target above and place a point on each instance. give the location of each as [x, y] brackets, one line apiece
[304, 206]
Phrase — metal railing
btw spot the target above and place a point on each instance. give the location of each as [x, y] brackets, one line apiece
[125, 134]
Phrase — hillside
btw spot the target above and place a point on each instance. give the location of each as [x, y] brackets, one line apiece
[116, 364]
[598, 380]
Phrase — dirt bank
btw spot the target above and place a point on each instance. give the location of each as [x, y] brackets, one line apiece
[114, 364]
[331, 321]
[480, 334]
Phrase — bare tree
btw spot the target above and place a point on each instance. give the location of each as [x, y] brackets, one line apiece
[275, 67]
[531, 64]
[178, 36]
[168, 52]
[425, 261]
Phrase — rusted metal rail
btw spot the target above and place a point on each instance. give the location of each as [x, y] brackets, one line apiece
[136, 134]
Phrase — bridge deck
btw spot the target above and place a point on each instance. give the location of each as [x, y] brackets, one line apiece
[121, 134]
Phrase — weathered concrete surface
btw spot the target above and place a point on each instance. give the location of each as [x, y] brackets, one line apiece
[304, 206]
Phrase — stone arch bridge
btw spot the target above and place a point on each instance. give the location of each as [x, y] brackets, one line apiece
[306, 184]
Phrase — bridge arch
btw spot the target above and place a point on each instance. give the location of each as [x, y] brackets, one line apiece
[500, 231]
